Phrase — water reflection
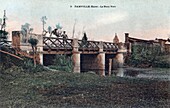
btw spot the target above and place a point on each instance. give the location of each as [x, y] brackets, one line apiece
[120, 72]
[141, 73]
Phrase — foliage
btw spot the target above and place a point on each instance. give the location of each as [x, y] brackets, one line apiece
[162, 61]
[3, 33]
[49, 29]
[58, 26]
[63, 63]
[33, 41]
[43, 21]
[145, 56]
[2, 67]
[7, 60]
[25, 30]
[3, 37]
[28, 66]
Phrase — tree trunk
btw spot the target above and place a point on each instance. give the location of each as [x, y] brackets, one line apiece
[34, 56]
[34, 60]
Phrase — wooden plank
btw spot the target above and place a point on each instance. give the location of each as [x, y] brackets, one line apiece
[11, 55]
[57, 52]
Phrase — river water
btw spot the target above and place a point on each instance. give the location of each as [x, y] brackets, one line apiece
[150, 73]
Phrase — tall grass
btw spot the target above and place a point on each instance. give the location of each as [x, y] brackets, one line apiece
[62, 63]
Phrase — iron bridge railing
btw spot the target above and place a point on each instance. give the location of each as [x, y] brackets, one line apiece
[54, 43]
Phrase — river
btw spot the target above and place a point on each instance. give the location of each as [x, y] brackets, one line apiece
[150, 73]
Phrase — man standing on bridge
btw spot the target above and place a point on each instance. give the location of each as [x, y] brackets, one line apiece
[65, 37]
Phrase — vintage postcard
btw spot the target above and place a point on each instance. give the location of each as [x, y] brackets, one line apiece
[84, 54]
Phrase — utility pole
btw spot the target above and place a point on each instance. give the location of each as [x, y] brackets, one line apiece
[74, 27]
[43, 22]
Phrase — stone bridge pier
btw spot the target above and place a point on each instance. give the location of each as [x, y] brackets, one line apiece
[76, 56]
[88, 62]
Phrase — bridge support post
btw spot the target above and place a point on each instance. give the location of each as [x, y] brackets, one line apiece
[101, 63]
[76, 56]
[76, 62]
[101, 60]
[119, 59]
[41, 58]
[40, 49]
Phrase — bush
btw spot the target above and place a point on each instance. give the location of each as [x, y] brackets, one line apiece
[144, 55]
[63, 63]
[28, 66]
[2, 67]
[7, 60]
[161, 61]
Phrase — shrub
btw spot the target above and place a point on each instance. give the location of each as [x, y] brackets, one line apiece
[63, 63]
[2, 67]
[28, 66]
[144, 55]
[161, 61]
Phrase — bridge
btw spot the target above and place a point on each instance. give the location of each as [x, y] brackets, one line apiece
[91, 56]
[54, 45]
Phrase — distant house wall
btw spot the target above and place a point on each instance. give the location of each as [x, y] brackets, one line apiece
[151, 43]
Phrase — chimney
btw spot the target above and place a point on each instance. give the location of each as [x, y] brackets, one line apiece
[16, 39]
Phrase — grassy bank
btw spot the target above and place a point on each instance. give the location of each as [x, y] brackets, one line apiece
[51, 89]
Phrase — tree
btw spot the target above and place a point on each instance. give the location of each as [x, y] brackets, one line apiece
[144, 55]
[3, 37]
[58, 26]
[43, 22]
[26, 31]
[33, 43]
[49, 29]
[3, 33]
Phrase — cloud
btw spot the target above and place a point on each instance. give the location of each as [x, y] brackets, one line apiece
[108, 18]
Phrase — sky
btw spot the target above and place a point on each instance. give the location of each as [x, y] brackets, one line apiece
[145, 19]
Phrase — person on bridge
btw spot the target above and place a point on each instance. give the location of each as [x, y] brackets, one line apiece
[65, 37]
[55, 32]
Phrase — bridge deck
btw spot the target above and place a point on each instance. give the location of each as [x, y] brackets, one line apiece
[54, 45]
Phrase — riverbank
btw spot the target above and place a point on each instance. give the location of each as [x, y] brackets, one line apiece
[51, 89]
